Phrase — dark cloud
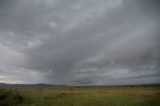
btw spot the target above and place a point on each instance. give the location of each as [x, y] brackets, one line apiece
[80, 42]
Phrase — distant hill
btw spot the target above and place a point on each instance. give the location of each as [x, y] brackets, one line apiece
[4, 85]
[29, 85]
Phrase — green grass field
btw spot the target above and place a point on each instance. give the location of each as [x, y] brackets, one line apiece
[81, 96]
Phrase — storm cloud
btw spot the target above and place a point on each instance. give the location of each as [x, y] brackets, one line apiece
[80, 42]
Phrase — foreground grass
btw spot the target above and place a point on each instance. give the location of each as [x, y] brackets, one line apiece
[93, 96]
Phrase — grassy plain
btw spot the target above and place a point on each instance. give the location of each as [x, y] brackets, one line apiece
[81, 96]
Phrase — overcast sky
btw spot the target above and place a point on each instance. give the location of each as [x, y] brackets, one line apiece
[80, 42]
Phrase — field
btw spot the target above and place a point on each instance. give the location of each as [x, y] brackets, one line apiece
[81, 96]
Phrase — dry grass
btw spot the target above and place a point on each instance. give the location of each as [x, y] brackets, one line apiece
[93, 96]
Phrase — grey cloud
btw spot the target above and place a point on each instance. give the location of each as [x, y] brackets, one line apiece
[80, 42]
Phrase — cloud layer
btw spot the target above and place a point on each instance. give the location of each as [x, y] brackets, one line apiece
[80, 42]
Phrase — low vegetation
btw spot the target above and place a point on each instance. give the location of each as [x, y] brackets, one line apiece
[10, 97]
[81, 96]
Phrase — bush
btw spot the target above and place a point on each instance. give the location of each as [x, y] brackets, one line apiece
[10, 97]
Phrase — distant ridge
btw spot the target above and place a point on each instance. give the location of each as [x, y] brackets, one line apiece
[30, 85]
[4, 85]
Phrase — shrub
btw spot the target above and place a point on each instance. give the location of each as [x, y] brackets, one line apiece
[10, 97]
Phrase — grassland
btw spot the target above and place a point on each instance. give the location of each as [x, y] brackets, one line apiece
[81, 96]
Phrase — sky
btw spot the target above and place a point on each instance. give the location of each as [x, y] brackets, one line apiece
[80, 42]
